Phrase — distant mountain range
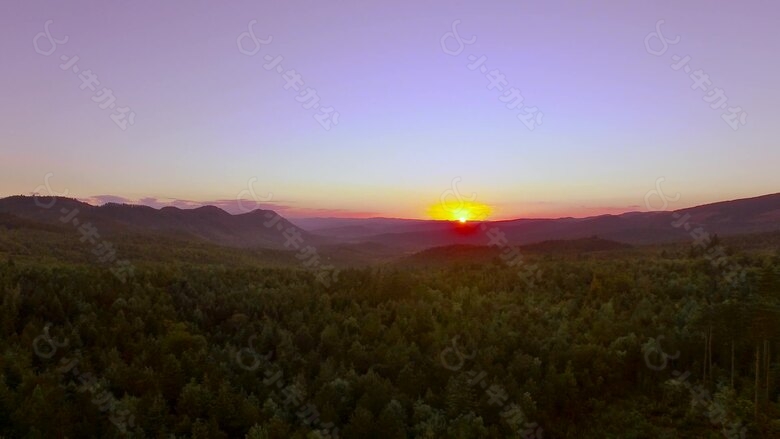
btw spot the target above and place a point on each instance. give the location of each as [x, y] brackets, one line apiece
[210, 224]
[385, 236]
[750, 215]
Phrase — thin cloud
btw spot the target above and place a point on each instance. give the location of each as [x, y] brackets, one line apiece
[99, 200]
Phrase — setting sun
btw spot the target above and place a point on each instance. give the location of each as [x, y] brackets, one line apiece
[460, 211]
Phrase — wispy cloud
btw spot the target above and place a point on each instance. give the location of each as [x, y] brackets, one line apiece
[232, 206]
[105, 199]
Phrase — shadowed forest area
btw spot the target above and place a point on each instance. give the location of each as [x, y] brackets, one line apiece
[624, 343]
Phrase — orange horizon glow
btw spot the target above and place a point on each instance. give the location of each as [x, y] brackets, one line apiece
[451, 210]
[460, 211]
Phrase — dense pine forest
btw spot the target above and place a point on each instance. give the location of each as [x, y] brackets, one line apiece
[649, 342]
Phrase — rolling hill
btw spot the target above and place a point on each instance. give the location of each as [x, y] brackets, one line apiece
[208, 224]
[382, 238]
[744, 216]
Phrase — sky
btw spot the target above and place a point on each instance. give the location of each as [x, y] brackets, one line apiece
[212, 123]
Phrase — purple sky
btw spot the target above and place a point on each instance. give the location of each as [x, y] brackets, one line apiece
[411, 117]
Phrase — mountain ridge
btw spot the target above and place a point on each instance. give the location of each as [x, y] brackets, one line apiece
[259, 228]
[207, 223]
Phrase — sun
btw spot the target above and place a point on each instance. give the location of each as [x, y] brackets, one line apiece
[460, 212]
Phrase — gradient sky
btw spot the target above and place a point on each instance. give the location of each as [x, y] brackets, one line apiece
[412, 118]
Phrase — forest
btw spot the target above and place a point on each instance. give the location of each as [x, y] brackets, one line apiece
[645, 342]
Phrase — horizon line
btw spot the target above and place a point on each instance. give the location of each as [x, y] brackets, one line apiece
[200, 205]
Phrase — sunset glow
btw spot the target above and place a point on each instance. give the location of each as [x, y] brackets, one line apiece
[251, 126]
[460, 211]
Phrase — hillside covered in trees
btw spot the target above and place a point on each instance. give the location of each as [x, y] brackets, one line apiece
[647, 342]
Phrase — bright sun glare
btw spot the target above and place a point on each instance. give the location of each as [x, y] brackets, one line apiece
[461, 212]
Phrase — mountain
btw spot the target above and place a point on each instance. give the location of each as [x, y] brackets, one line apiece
[356, 229]
[378, 239]
[475, 254]
[209, 224]
[751, 215]
[13, 222]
